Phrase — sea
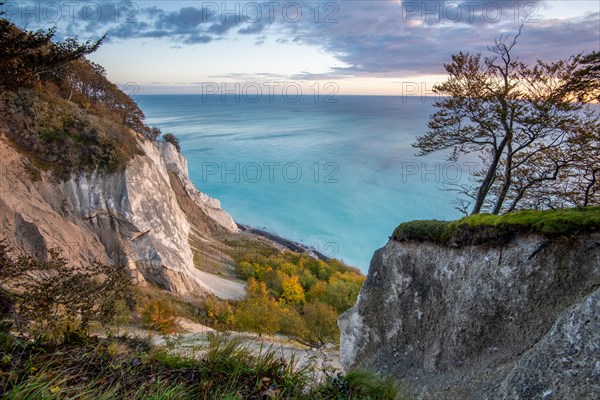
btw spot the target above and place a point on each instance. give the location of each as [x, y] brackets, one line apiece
[337, 174]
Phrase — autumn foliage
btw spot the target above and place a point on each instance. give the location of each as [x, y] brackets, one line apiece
[295, 294]
[159, 315]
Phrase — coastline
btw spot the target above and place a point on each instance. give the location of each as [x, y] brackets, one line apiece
[286, 243]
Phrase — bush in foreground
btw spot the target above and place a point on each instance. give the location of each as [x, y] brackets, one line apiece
[46, 299]
[121, 368]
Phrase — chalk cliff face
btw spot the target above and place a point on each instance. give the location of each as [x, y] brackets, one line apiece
[519, 320]
[148, 216]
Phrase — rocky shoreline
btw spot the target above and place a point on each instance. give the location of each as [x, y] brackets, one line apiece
[283, 242]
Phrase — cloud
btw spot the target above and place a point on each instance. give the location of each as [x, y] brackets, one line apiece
[190, 25]
[388, 39]
[374, 38]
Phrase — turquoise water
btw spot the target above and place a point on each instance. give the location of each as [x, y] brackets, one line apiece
[337, 176]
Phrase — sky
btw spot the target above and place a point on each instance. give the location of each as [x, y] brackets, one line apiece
[335, 47]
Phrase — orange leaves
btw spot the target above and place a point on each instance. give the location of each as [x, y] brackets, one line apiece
[159, 315]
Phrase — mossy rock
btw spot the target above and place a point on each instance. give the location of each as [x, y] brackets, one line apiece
[499, 229]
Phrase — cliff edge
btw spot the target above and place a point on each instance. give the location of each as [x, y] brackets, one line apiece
[147, 215]
[516, 318]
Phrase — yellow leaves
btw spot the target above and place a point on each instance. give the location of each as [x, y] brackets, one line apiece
[318, 290]
[259, 315]
[55, 389]
[292, 291]
[264, 382]
[257, 289]
[220, 312]
[159, 315]
[267, 389]
[280, 284]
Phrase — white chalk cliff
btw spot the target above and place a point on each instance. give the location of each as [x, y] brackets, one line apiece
[148, 216]
[514, 320]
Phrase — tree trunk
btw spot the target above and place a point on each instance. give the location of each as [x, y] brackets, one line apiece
[507, 179]
[586, 196]
[489, 178]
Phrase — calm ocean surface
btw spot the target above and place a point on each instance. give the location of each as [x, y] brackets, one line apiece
[337, 176]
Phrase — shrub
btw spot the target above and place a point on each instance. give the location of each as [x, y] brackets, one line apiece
[258, 315]
[321, 323]
[159, 315]
[292, 324]
[220, 313]
[49, 298]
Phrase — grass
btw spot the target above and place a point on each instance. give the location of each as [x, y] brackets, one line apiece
[481, 228]
[92, 368]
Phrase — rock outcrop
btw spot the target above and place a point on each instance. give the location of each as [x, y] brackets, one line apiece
[148, 215]
[516, 320]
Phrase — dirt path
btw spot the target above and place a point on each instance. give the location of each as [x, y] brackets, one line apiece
[221, 287]
[194, 342]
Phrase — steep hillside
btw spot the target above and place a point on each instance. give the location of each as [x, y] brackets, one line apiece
[145, 215]
[484, 309]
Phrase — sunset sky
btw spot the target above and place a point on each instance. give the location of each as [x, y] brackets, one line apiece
[377, 47]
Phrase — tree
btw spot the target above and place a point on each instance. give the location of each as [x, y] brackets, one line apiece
[512, 115]
[567, 176]
[584, 85]
[25, 55]
[170, 138]
[321, 323]
[259, 313]
[292, 291]
[154, 133]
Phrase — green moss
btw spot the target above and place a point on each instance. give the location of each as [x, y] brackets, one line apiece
[489, 228]
[421, 230]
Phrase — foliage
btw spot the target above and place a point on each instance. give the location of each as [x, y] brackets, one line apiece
[84, 83]
[220, 313]
[294, 294]
[60, 109]
[122, 368]
[170, 138]
[47, 298]
[321, 320]
[359, 384]
[25, 56]
[529, 124]
[291, 290]
[259, 313]
[293, 324]
[490, 228]
[585, 83]
[61, 136]
[159, 315]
